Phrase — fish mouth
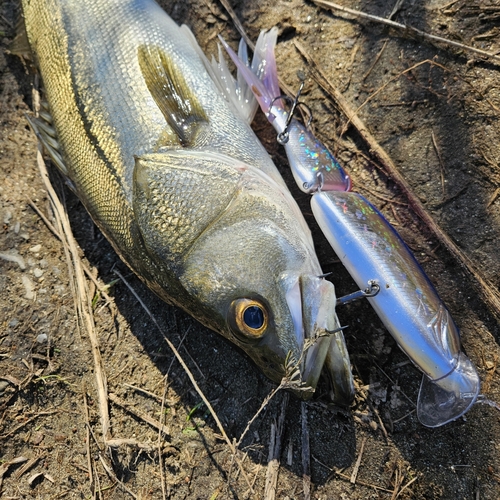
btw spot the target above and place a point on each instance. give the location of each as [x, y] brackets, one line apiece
[321, 345]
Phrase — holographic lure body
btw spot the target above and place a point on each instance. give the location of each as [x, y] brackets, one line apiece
[372, 251]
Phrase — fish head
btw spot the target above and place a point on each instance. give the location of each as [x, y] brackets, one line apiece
[239, 247]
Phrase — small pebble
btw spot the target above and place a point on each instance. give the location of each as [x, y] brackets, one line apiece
[42, 338]
[37, 272]
[13, 322]
[36, 248]
[37, 438]
[29, 286]
[7, 217]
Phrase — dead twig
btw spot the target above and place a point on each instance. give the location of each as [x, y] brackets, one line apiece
[6, 466]
[275, 452]
[355, 471]
[441, 163]
[489, 293]
[26, 422]
[408, 29]
[411, 481]
[493, 197]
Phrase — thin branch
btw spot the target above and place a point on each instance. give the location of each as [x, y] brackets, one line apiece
[355, 471]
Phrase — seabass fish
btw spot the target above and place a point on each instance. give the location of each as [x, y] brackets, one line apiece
[179, 184]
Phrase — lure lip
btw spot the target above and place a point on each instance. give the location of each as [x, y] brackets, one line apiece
[448, 398]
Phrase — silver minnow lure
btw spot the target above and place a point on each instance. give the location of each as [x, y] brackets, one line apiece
[373, 253]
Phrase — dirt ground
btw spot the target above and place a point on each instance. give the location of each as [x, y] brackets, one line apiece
[439, 122]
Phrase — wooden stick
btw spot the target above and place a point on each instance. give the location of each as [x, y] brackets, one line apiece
[275, 452]
[408, 29]
[485, 288]
[355, 471]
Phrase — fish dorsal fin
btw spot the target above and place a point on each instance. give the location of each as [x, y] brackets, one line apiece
[172, 95]
[235, 91]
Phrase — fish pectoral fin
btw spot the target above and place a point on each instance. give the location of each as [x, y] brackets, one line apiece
[177, 195]
[46, 134]
[172, 94]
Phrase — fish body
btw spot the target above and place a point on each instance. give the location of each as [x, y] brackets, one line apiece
[179, 183]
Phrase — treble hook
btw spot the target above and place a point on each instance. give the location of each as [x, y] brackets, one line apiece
[283, 136]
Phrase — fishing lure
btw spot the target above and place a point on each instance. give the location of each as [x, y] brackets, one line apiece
[370, 248]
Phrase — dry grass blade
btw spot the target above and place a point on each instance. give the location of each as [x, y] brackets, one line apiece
[243, 33]
[112, 476]
[79, 287]
[27, 466]
[87, 437]
[441, 163]
[262, 406]
[345, 477]
[489, 293]
[46, 221]
[237, 23]
[408, 29]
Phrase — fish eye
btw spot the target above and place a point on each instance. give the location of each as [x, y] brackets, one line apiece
[249, 317]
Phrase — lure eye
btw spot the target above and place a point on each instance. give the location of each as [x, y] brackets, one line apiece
[249, 317]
